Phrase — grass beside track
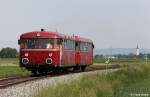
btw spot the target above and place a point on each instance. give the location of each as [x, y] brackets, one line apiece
[129, 81]
[9, 62]
[9, 67]
[12, 71]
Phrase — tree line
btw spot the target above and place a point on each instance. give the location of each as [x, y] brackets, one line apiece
[8, 53]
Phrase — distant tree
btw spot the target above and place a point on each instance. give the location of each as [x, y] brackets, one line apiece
[98, 56]
[8, 53]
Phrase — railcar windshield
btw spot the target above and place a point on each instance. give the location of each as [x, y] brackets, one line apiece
[38, 44]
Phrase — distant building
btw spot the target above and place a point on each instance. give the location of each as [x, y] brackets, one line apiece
[137, 51]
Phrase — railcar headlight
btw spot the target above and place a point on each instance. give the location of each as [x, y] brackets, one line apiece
[50, 54]
[26, 54]
[25, 60]
[49, 61]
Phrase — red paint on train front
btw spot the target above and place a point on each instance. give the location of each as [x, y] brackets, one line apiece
[39, 57]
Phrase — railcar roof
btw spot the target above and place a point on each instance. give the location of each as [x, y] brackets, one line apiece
[43, 34]
[46, 34]
[78, 38]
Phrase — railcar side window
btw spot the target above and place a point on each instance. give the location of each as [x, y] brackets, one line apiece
[69, 44]
[85, 46]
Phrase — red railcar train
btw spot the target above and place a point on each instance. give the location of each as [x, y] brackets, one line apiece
[43, 51]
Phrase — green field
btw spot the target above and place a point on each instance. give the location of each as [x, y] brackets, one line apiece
[9, 62]
[131, 80]
[10, 67]
[123, 61]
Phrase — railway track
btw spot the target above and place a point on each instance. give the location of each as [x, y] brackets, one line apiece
[7, 82]
[12, 81]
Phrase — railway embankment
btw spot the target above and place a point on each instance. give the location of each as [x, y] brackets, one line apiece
[28, 89]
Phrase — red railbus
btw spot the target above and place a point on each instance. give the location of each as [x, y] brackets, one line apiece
[43, 51]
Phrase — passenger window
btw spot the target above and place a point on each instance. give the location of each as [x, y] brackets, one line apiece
[69, 44]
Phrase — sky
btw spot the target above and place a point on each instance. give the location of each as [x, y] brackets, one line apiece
[109, 23]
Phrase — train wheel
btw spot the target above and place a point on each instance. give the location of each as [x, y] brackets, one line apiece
[46, 72]
[41, 71]
[76, 68]
[57, 70]
[34, 72]
[83, 68]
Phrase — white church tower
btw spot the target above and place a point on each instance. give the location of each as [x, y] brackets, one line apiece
[137, 51]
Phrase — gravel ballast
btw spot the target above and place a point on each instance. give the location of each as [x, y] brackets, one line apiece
[28, 89]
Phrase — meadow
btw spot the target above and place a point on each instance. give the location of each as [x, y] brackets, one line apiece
[132, 80]
[9, 67]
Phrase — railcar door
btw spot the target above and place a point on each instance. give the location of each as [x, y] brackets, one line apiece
[78, 55]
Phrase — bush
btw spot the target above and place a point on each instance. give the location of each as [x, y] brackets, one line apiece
[8, 53]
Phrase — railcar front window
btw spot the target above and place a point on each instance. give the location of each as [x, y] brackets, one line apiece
[38, 43]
